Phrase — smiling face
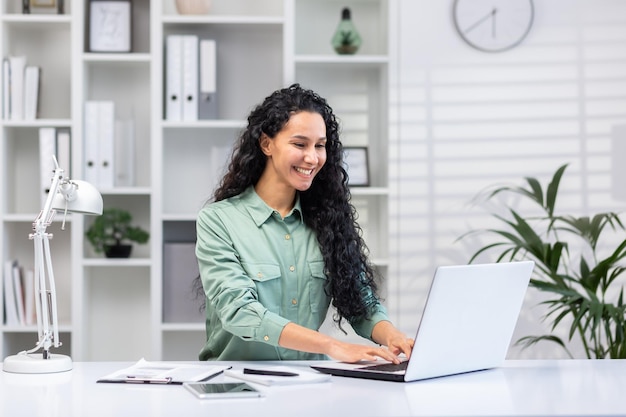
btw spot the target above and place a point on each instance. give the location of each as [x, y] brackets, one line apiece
[296, 154]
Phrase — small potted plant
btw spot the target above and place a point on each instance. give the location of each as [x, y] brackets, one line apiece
[111, 232]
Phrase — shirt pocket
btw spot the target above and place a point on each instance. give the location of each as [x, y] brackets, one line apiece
[317, 288]
[266, 277]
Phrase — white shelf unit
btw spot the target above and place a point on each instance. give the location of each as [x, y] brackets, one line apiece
[113, 309]
[46, 42]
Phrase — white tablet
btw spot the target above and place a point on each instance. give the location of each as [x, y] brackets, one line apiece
[206, 390]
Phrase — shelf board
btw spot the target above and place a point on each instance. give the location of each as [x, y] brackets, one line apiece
[179, 217]
[126, 191]
[182, 327]
[204, 124]
[63, 328]
[141, 57]
[109, 262]
[374, 191]
[30, 217]
[37, 123]
[225, 19]
[346, 60]
[37, 18]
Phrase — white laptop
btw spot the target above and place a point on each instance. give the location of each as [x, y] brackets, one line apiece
[467, 324]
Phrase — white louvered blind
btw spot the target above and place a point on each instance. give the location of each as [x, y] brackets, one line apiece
[462, 120]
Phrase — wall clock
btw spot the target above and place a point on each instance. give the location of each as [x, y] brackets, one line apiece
[493, 25]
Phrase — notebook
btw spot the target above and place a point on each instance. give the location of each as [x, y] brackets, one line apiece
[466, 326]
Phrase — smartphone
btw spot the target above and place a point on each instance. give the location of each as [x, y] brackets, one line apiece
[206, 390]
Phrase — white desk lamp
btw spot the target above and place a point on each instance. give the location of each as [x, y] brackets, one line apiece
[70, 196]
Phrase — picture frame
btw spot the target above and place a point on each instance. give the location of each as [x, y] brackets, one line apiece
[42, 6]
[110, 25]
[356, 164]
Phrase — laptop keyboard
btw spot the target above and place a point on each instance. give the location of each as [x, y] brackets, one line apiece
[388, 367]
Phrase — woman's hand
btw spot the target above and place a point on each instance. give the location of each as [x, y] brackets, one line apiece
[350, 352]
[386, 334]
[300, 338]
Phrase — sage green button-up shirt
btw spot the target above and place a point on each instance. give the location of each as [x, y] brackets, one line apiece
[260, 272]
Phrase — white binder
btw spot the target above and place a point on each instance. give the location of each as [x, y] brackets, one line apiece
[90, 143]
[11, 317]
[31, 92]
[190, 77]
[6, 89]
[17, 67]
[207, 101]
[106, 141]
[64, 150]
[124, 153]
[47, 149]
[173, 77]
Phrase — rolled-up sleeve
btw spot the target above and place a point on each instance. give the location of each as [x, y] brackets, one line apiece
[364, 326]
[231, 292]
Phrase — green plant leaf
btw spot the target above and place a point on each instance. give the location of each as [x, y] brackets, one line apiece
[577, 281]
[553, 189]
[528, 341]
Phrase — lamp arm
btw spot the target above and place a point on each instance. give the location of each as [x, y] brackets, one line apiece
[45, 300]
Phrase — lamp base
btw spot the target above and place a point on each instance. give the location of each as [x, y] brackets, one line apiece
[34, 363]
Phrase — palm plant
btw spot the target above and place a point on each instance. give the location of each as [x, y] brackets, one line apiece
[581, 284]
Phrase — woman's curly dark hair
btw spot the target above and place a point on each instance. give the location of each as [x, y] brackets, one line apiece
[326, 204]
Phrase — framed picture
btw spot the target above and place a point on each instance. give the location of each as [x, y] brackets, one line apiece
[110, 26]
[357, 165]
[42, 6]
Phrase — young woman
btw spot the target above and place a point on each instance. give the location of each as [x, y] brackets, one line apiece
[279, 242]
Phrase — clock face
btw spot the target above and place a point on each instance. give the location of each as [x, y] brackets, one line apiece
[493, 25]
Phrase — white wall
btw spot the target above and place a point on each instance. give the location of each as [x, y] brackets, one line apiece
[464, 119]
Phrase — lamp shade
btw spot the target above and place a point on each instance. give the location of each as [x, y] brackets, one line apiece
[78, 196]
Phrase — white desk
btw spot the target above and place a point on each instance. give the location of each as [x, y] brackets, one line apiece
[528, 388]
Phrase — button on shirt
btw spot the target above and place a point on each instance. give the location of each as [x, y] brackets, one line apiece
[261, 271]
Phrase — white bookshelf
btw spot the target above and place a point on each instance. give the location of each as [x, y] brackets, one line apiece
[112, 309]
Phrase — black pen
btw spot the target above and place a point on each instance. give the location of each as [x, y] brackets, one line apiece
[268, 372]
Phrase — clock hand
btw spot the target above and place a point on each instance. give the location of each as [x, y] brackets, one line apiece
[493, 23]
[481, 20]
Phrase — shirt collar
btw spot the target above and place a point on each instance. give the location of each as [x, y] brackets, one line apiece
[260, 211]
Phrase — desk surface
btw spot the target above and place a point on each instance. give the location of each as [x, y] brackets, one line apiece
[529, 388]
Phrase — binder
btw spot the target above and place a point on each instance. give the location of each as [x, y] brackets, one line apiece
[6, 89]
[173, 77]
[207, 101]
[47, 149]
[106, 141]
[190, 78]
[64, 150]
[18, 66]
[180, 268]
[124, 148]
[90, 143]
[18, 293]
[11, 317]
[31, 92]
[29, 297]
